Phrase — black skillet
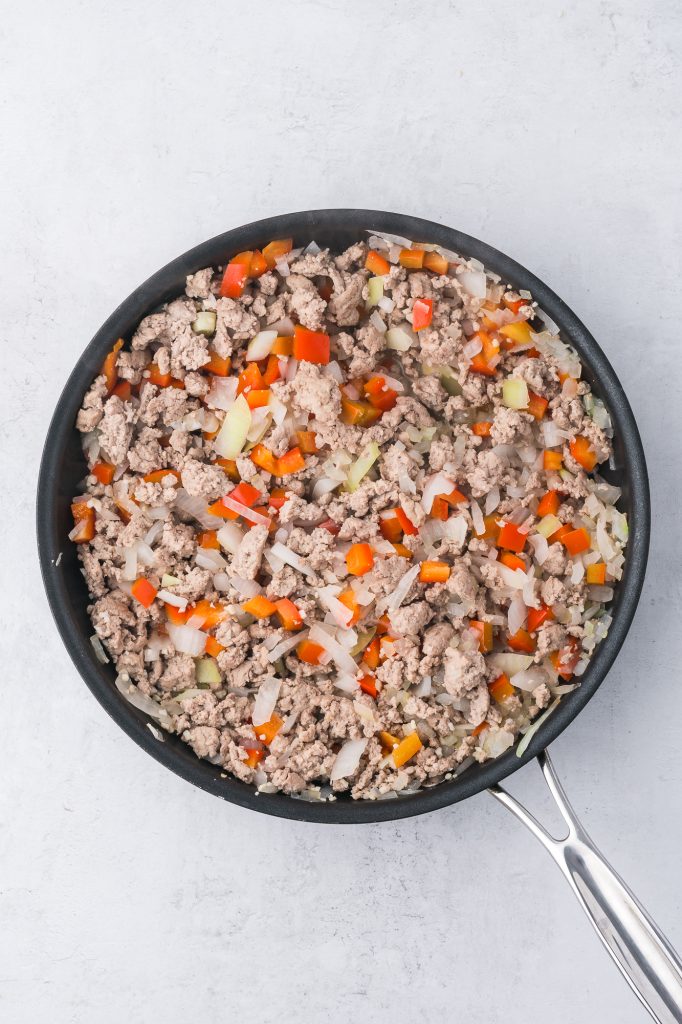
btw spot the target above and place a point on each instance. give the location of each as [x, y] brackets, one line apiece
[640, 951]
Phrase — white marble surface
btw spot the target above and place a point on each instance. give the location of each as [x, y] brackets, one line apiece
[133, 131]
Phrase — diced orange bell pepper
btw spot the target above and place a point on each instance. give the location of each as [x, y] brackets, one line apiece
[309, 652]
[402, 550]
[306, 441]
[157, 475]
[84, 519]
[271, 372]
[358, 413]
[274, 250]
[255, 756]
[109, 366]
[213, 647]
[537, 406]
[209, 539]
[406, 523]
[435, 262]
[123, 390]
[501, 689]
[479, 365]
[552, 461]
[576, 541]
[263, 458]
[283, 345]
[267, 731]
[144, 591]
[103, 472]
[596, 573]
[422, 314]
[359, 559]
[455, 497]
[235, 277]
[440, 508]
[482, 428]
[512, 538]
[512, 561]
[566, 659]
[368, 684]
[370, 655]
[250, 379]
[479, 729]
[390, 528]
[411, 259]
[221, 511]
[288, 614]
[383, 625]
[350, 601]
[230, 467]
[161, 380]
[376, 264]
[210, 613]
[291, 462]
[492, 527]
[218, 365]
[175, 615]
[406, 749]
[257, 399]
[560, 533]
[583, 453]
[536, 617]
[380, 396]
[260, 607]
[313, 346]
[434, 572]
[388, 742]
[549, 504]
[258, 264]
[484, 631]
[521, 641]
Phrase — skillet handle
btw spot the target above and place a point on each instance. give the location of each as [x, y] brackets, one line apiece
[641, 952]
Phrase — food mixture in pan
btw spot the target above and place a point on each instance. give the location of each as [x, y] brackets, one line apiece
[343, 529]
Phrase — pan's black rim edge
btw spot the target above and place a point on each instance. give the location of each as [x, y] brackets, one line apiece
[206, 776]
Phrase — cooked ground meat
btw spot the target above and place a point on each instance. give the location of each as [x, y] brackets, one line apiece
[384, 538]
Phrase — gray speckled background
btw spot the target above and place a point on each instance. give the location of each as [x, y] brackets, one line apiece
[133, 131]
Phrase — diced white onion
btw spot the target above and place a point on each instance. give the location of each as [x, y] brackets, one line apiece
[231, 437]
[266, 699]
[437, 484]
[473, 282]
[284, 646]
[230, 537]
[492, 500]
[347, 760]
[222, 393]
[337, 653]
[401, 591]
[208, 558]
[100, 653]
[186, 639]
[245, 512]
[285, 554]
[398, 339]
[260, 347]
[169, 598]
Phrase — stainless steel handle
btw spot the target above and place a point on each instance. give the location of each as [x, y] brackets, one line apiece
[641, 952]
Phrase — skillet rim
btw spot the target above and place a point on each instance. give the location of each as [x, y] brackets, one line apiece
[173, 753]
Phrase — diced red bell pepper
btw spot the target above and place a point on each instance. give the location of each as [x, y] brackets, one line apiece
[313, 346]
[162, 380]
[144, 591]
[309, 652]
[330, 526]
[482, 428]
[123, 390]
[213, 647]
[258, 398]
[271, 372]
[406, 523]
[521, 641]
[277, 498]
[235, 277]
[368, 684]
[246, 494]
[250, 379]
[380, 396]
[157, 475]
[536, 617]
[566, 659]
[255, 756]
[512, 538]
[390, 527]
[267, 731]
[422, 314]
[440, 508]
[258, 264]
[515, 304]
[350, 601]
[537, 406]
[370, 655]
